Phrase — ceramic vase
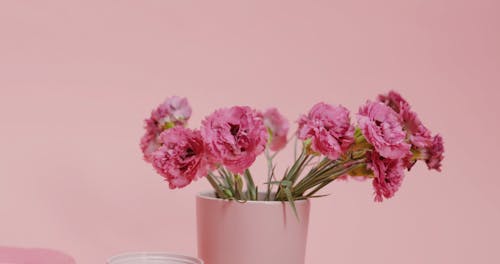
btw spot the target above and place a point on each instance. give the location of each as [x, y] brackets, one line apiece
[251, 232]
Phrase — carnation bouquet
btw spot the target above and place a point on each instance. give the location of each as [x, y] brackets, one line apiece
[387, 139]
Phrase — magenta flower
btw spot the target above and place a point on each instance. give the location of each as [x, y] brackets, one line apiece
[174, 111]
[278, 127]
[382, 127]
[235, 137]
[388, 175]
[329, 128]
[435, 153]
[181, 157]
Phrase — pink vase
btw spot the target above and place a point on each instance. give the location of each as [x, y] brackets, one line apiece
[254, 232]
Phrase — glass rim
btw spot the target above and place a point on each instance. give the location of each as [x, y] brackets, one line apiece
[152, 255]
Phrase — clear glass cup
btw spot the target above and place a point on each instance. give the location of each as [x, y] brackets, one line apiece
[152, 258]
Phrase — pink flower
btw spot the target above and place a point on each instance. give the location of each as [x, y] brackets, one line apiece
[235, 137]
[430, 148]
[435, 153]
[329, 128]
[394, 100]
[174, 111]
[149, 142]
[181, 157]
[382, 127]
[419, 135]
[278, 127]
[388, 175]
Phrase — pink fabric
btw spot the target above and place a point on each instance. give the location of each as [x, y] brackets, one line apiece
[12, 255]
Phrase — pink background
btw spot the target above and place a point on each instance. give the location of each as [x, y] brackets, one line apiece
[77, 79]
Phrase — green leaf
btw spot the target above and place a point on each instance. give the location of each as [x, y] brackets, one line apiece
[238, 187]
[228, 193]
[220, 193]
[289, 196]
[273, 182]
[229, 182]
[251, 188]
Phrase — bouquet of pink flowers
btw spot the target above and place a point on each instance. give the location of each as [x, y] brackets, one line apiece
[388, 138]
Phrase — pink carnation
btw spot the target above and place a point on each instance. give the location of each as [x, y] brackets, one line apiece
[329, 127]
[394, 100]
[435, 153]
[388, 175]
[149, 142]
[278, 126]
[181, 157]
[419, 135]
[235, 137]
[382, 127]
[174, 111]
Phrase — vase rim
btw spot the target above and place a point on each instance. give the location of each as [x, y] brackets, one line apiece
[209, 195]
[153, 255]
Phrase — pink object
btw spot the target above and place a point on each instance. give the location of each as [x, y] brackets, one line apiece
[174, 111]
[435, 152]
[382, 127]
[388, 174]
[181, 157]
[13, 255]
[149, 141]
[394, 100]
[278, 126]
[419, 135]
[255, 232]
[329, 127]
[235, 136]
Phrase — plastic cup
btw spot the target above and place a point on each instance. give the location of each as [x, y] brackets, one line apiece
[152, 258]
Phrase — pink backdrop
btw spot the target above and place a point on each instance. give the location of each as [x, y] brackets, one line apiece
[77, 79]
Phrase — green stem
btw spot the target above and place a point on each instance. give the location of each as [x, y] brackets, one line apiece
[324, 174]
[251, 188]
[292, 175]
[218, 189]
[295, 147]
[324, 165]
[332, 178]
[269, 174]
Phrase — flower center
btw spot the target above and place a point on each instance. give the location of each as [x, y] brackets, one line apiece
[234, 129]
[190, 152]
